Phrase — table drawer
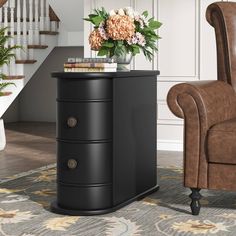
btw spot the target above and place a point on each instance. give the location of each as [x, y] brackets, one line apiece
[84, 197]
[84, 121]
[84, 163]
[84, 89]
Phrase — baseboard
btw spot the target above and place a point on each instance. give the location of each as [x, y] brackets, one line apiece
[170, 145]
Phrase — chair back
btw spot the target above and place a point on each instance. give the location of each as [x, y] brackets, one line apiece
[222, 16]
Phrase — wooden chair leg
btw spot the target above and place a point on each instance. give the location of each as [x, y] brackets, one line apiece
[195, 204]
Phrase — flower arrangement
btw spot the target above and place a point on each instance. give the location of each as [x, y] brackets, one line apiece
[123, 31]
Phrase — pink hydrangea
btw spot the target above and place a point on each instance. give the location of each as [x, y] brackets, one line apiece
[102, 31]
[137, 38]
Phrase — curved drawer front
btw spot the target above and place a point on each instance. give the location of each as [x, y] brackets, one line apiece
[84, 89]
[84, 198]
[84, 121]
[84, 163]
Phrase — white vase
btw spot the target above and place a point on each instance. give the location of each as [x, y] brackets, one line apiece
[123, 61]
[2, 135]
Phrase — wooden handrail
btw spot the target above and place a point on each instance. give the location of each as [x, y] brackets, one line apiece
[2, 2]
[52, 15]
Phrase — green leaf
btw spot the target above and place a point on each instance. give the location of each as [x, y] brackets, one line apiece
[92, 15]
[154, 24]
[108, 45]
[4, 85]
[103, 52]
[120, 43]
[97, 20]
[87, 19]
[151, 19]
[145, 13]
[135, 50]
[103, 10]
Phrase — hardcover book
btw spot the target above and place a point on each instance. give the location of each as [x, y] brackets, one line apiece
[90, 65]
[90, 60]
[91, 69]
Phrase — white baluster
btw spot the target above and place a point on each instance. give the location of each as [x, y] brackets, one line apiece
[30, 37]
[54, 26]
[6, 18]
[24, 43]
[42, 15]
[18, 39]
[1, 9]
[47, 19]
[36, 16]
[5, 67]
[12, 25]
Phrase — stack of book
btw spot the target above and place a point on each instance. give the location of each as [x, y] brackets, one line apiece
[90, 65]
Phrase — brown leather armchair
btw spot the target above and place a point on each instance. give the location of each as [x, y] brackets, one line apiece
[209, 112]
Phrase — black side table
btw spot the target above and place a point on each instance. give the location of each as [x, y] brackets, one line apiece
[106, 136]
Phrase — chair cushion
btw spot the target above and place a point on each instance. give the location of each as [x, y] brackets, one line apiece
[222, 142]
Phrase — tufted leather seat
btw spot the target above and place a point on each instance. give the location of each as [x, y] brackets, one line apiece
[209, 112]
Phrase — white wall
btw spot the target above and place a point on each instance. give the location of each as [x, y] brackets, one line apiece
[37, 101]
[187, 52]
[70, 13]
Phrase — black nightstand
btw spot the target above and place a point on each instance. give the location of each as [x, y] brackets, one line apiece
[106, 135]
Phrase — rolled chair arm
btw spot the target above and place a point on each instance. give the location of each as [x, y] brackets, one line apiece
[202, 104]
[215, 100]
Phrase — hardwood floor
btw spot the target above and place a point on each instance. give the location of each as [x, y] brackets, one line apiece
[31, 145]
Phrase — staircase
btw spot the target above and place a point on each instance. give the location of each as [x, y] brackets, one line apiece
[33, 25]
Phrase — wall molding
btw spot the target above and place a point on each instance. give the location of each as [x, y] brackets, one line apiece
[170, 145]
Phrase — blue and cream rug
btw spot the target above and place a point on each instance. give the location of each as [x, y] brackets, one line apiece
[25, 199]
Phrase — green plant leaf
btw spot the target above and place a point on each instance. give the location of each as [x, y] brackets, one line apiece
[154, 24]
[6, 53]
[135, 50]
[120, 42]
[87, 19]
[4, 85]
[145, 13]
[97, 20]
[92, 15]
[151, 19]
[103, 52]
[108, 44]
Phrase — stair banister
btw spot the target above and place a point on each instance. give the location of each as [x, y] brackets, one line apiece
[41, 15]
[47, 19]
[29, 23]
[30, 30]
[1, 9]
[24, 43]
[5, 24]
[18, 19]
[12, 41]
[36, 16]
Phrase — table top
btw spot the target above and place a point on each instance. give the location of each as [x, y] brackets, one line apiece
[94, 75]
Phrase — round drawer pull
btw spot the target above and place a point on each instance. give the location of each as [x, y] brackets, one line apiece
[71, 122]
[72, 163]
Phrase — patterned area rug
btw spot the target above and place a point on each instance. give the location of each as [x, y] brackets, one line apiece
[25, 199]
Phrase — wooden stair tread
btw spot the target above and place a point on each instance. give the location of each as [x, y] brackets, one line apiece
[5, 94]
[49, 32]
[37, 46]
[21, 20]
[14, 77]
[25, 61]
[40, 32]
